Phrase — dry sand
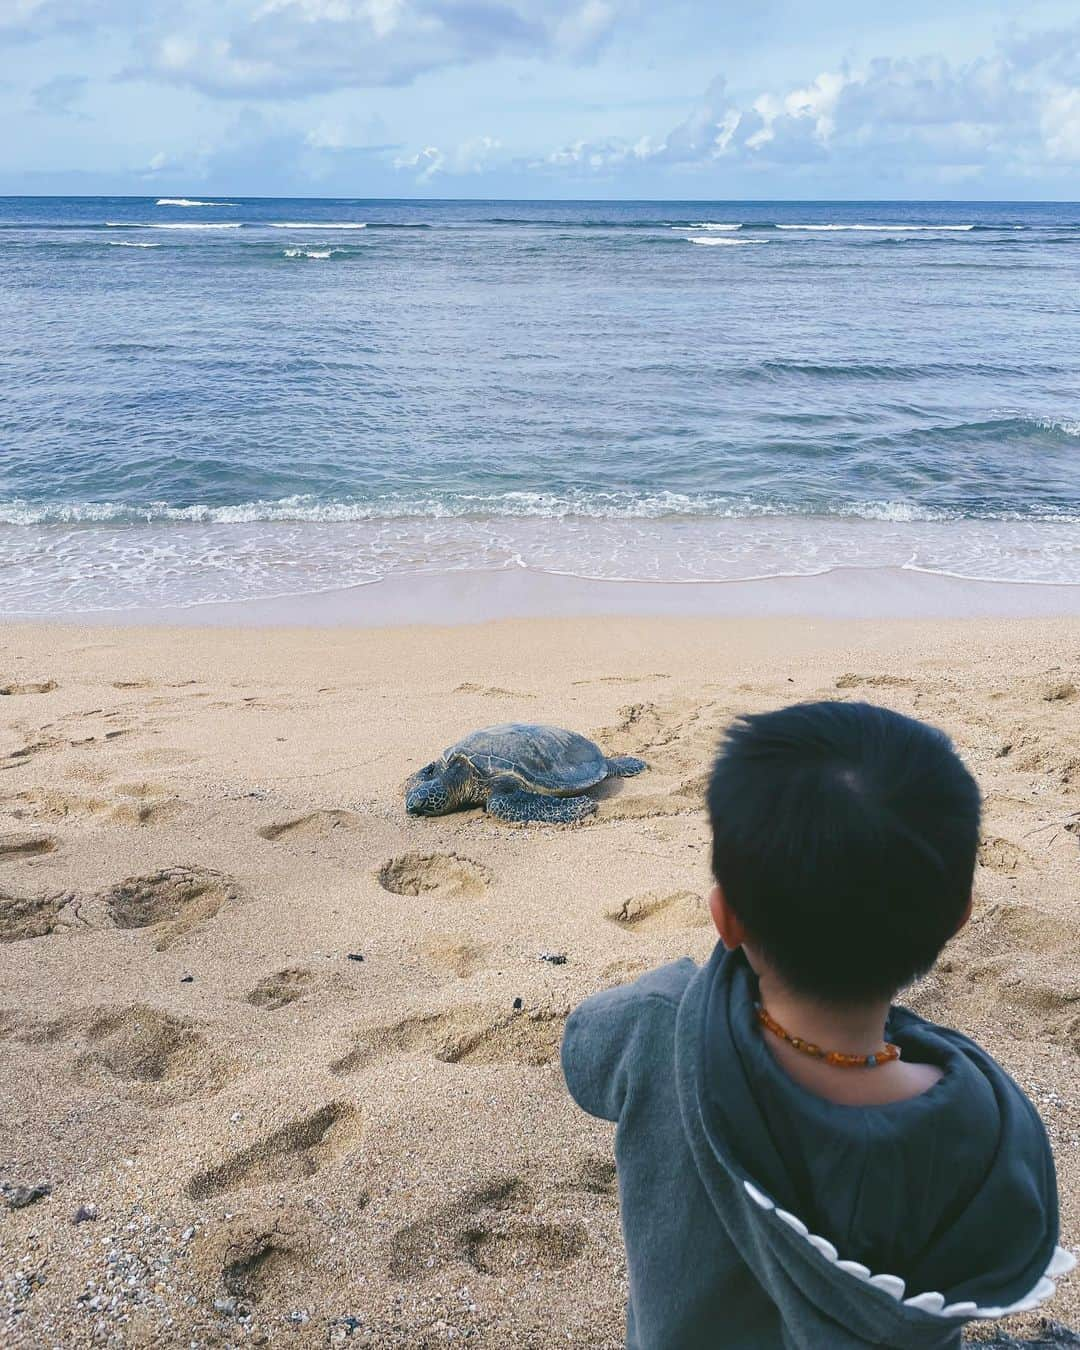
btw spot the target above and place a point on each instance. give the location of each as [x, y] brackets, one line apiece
[201, 834]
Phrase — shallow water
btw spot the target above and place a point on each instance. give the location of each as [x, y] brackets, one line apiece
[211, 402]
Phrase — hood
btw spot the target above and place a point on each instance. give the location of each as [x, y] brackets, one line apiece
[894, 1222]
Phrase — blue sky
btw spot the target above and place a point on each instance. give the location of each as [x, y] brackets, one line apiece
[541, 98]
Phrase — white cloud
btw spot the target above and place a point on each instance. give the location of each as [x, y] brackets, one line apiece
[292, 48]
[1061, 126]
[886, 127]
[426, 162]
[1013, 110]
[30, 20]
[470, 157]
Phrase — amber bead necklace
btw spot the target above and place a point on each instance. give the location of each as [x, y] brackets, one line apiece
[837, 1057]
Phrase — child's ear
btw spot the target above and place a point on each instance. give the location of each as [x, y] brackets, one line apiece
[732, 933]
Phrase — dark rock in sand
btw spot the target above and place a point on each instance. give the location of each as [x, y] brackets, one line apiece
[18, 1197]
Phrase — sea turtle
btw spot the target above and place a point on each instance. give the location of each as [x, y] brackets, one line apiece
[517, 771]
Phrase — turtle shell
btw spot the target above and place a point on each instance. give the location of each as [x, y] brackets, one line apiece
[545, 759]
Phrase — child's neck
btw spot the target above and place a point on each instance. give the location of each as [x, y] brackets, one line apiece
[856, 1030]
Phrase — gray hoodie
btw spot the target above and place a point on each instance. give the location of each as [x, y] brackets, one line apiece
[759, 1215]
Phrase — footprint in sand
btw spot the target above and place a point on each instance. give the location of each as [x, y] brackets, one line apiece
[458, 955]
[1020, 962]
[490, 691]
[143, 1045]
[143, 1048]
[1001, 855]
[29, 687]
[1055, 685]
[24, 844]
[17, 758]
[281, 988]
[1051, 759]
[686, 799]
[49, 804]
[144, 804]
[440, 875]
[851, 681]
[596, 1175]
[315, 825]
[174, 901]
[661, 911]
[132, 804]
[469, 1034]
[292, 1153]
[28, 916]
[491, 1228]
[624, 971]
[259, 1255]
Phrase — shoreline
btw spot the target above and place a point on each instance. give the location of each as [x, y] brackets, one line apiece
[472, 597]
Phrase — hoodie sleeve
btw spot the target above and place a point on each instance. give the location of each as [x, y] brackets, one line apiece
[606, 1037]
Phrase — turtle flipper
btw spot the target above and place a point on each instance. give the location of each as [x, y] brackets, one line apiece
[625, 766]
[515, 803]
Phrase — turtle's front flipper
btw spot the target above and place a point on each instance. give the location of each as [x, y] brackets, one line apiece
[625, 766]
[514, 803]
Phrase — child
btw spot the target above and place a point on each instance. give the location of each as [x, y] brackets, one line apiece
[800, 1163]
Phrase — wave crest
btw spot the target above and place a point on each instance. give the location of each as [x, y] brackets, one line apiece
[732, 243]
[317, 225]
[507, 505]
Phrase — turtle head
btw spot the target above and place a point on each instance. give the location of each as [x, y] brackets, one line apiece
[435, 790]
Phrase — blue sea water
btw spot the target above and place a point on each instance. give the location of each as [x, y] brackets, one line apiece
[220, 399]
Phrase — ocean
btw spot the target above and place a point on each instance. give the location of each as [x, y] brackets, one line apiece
[230, 399]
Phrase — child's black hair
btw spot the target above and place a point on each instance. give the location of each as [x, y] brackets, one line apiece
[844, 838]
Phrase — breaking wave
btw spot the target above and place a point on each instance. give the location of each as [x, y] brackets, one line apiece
[510, 505]
[318, 225]
[891, 229]
[733, 243]
[174, 224]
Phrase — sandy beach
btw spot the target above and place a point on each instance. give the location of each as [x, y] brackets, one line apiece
[286, 1060]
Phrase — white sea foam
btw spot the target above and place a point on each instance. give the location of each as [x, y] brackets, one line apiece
[708, 225]
[185, 201]
[888, 229]
[309, 252]
[50, 570]
[598, 506]
[734, 243]
[128, 243]
[1068, 426]
[174, 224]
[317, 225]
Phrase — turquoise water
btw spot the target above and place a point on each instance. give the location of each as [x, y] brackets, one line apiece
[224, 399]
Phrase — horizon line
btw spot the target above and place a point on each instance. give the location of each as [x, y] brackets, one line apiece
[659, 201]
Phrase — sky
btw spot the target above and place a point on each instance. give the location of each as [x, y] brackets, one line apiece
[594, 99]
